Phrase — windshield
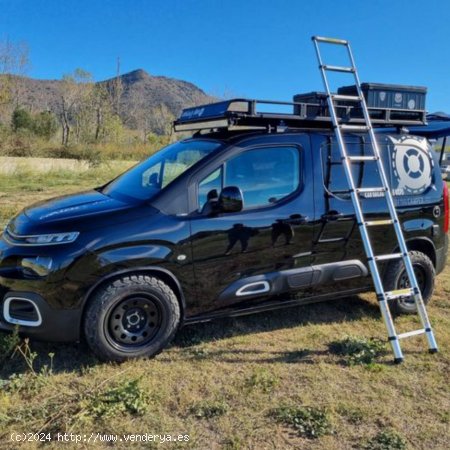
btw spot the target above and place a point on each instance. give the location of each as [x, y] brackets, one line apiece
[145, 180]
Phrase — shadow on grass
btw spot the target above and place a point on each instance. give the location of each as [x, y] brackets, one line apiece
[77, 358]
[74, 358]
[343, 310]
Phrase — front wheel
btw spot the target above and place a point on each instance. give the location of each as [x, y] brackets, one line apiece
[133, 316]
[396, 278]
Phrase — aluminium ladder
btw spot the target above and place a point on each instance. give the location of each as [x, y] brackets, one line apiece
[340, 129]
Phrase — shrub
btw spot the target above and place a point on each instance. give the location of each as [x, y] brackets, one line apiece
[308, 421]
[45, 125]
[8, 343]
[262, 379]
[21, 119]
[358, 350]
[353, 415]
[209, 409]
[386, 440]
[128, 397]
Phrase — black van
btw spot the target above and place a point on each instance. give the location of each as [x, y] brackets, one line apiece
[252, 213]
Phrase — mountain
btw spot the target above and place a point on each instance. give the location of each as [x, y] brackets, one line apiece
[142, 92]
[139, 93]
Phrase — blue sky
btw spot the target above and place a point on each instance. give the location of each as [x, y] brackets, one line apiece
[254, 48]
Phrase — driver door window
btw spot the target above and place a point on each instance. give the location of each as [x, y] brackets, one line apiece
[264, 175]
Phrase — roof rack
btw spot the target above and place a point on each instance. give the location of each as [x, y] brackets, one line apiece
[242, 114]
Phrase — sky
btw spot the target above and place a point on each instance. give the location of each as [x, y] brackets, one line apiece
[252, 48]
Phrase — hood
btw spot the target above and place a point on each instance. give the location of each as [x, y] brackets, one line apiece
[84, 210]
[73, 206]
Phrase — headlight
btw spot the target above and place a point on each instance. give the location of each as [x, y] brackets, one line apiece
[49, 239]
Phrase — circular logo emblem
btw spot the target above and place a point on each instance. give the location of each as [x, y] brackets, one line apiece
[436, 211]
[398, 97]
[412, 166]
[411, 104]
[382, 96]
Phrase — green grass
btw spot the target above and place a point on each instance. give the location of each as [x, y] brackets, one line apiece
[278, 380]
[33, 181]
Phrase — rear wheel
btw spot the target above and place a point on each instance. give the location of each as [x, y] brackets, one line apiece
[131, 317]
[396, 278]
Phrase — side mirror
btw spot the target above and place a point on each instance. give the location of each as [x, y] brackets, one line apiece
[231, 200]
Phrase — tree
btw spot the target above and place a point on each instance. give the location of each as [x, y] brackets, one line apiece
[116, 90]
[45, 124]
[21, 120]
[161, 120]
[75, 90]
[13, 65]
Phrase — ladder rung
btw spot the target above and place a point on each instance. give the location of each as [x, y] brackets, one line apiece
[346, 98]
[337, 68]
[370, 190]
[399, 293]
[361, 158]
[345, 127]
[331, 240]
[411, 333]
[374, 223]
[328, 40]
[390, 256]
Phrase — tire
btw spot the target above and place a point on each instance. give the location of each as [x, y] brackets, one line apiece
[131, 317]
[396, 278]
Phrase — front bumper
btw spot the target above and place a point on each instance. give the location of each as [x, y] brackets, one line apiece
[58, 302]
[58, 325]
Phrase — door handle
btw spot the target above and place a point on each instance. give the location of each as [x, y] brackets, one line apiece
[296, 219]
[332, 215]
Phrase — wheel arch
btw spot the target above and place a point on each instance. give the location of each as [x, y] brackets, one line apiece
[165, 275]
[423, 245]
[420, 244]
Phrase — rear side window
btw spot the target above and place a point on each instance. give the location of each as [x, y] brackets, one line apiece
[335, 181]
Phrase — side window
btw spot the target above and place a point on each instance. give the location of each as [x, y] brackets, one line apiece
[364, 175]
[206, 187]
[264, 175]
